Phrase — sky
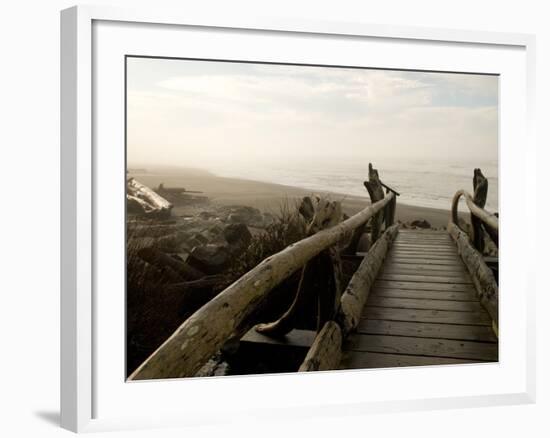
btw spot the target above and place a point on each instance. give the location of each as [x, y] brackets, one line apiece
[203, 113]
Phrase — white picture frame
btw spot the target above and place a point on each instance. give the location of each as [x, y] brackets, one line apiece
[83, 370]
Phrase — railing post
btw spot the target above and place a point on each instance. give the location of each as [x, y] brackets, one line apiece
[480, 197]
[376, 193]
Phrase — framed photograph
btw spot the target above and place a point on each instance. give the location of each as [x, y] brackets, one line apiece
[321, 209]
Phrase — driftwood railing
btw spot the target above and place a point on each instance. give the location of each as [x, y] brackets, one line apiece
[226, 315]
[484, 228]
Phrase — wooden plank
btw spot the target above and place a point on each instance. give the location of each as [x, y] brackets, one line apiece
[424, 261]
[421, 267]
[425, 294]
[296, 338]
[433, 248]
[444, 253]
[425, 278]
[427, 330]
[413, 285]
[438, 316]
[419, 303]
[423, 347]
[421, 238]
[425, 245]
[358, 360]
[437, 272]
[403, 232]
[427, 254]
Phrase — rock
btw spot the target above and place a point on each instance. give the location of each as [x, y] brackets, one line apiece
[210, 259]
[421, 223]
[201, 238]
[237, 234]
[236, 218]
[242, 214]
[206, 215]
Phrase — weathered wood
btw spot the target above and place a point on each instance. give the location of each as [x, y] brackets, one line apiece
[423, 303]
[389, 189]
[481, 186]
[357, 291]
[399, 270]
[325, 353]
[425, 278]
[427, 330]
[420, 269]
[146, 199]
[423, 346]
[482, 276]
[459, 276]
[425, 294]
[158, 258]
[487, 218]
[389, 216]
[355, 360]
[413, 285]
[376, 193]
[200, 336]
[294, 339]
[421, 253]
[439, 316]
[424, 261]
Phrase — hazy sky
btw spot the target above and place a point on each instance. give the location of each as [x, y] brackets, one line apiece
[197, 113]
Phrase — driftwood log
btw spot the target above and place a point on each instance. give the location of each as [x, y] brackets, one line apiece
[200, 336]
[482, 276]
[356, 294]
[146, 199]
[326, 350]
[321, 276]
[487, 218]
[376, 193]
[481, 186]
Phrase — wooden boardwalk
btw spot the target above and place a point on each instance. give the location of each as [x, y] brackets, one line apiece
[422, 310]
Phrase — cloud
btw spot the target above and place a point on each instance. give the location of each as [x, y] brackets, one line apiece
[192, 110]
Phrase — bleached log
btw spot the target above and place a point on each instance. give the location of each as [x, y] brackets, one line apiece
[200, 336]
[148, 199]
[326, 350]
[482, 276]
[356, 294]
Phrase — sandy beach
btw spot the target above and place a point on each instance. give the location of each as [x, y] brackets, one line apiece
[267, 196]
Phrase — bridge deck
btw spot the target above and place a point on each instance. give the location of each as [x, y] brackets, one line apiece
[422, 310]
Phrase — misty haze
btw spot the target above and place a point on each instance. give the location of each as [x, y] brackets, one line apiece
[228, 164]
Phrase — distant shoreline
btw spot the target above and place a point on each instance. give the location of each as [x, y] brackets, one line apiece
[270, 196]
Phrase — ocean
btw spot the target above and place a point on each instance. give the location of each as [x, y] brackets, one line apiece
[424, 183]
